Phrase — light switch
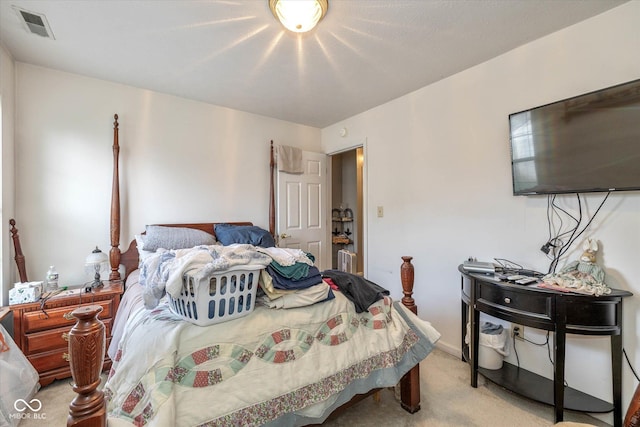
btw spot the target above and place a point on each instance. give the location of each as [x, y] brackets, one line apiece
[380, 211]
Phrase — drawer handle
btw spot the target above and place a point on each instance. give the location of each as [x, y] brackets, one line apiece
[65, 336]
[65, 356]
[507, 300]
[68, 315]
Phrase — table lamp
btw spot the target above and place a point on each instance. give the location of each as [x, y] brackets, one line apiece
[95, 262]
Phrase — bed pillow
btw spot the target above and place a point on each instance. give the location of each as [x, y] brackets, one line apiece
[159, 236]
[142, 253]
[228, 234]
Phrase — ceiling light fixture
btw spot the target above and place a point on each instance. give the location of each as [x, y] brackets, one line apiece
[299, 16]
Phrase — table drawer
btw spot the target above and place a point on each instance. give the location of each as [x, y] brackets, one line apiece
[34, 321]
[506, 299]
[593, 316]
[54, 339]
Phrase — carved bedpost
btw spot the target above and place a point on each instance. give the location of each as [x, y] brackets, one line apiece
[86, 355]
[272, 201]
[410, 383]
[406, 277]
[114, 253]
[22, 270]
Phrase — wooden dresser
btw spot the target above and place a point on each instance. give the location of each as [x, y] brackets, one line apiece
[41, 331]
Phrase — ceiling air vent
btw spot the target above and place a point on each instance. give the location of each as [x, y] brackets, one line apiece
[35, 23]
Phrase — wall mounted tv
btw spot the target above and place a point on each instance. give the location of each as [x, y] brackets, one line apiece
[583, 144]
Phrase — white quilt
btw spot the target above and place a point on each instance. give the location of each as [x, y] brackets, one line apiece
[280, 367]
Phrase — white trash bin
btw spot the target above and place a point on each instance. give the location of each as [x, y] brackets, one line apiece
[493, 345]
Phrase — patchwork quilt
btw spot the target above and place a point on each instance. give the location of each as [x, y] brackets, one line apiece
[273, 367]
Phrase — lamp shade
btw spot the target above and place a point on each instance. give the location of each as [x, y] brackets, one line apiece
[299, 15]
[97, 257]
[94, 263]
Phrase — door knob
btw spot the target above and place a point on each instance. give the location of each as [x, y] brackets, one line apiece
[285, 235]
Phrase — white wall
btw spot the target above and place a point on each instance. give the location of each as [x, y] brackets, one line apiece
[7, 102]
[180, 161]
[438, 161]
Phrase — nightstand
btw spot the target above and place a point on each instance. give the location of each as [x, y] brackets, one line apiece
[42, 330]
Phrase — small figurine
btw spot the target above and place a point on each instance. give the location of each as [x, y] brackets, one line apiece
[583, 275]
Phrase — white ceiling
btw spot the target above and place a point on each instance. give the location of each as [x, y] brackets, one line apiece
[233, 53]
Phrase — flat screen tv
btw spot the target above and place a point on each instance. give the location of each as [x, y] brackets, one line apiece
[582, 144]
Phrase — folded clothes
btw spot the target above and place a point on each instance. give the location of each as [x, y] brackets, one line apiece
[299, 298]
[266, 285]
[287, 256]
[281, 282]
[296, 271]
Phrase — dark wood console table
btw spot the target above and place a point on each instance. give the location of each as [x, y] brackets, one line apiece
[560, 312]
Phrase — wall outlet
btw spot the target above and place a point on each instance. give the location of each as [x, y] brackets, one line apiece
[517, 332]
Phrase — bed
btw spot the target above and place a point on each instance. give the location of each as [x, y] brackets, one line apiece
[274, 367]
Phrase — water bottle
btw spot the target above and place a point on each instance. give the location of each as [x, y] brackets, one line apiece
[52, 279]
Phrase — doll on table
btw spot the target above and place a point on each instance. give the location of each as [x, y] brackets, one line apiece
[583, 275]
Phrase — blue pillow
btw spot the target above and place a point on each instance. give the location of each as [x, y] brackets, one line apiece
[228, 234]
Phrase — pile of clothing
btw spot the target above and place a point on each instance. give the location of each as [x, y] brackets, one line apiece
[357, 289]
[291, 280]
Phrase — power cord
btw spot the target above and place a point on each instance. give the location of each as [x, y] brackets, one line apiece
[515, 334]
[47, 296]
[630, 366]
[508, 267]
[560, 247]
[545, 343]
[552, 211]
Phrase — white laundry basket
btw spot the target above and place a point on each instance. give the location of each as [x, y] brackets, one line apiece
[223, 296]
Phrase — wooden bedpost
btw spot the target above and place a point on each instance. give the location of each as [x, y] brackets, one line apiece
[632, 419]
[86, 355]
[114, 253]
[406, 277]
[410, 383]
[87, 342]
[272, 195]
[22, 270]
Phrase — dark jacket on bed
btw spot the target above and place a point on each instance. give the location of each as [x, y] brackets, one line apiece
[359, 290]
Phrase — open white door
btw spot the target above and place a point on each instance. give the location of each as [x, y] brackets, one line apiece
[302, 209]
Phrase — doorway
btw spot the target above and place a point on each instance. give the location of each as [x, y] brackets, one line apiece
[347, 207]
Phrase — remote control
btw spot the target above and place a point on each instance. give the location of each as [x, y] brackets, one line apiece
[526, 280]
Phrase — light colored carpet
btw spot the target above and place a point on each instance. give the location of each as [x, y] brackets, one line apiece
[447, 400]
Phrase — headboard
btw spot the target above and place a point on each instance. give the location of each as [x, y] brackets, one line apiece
[130, 257]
